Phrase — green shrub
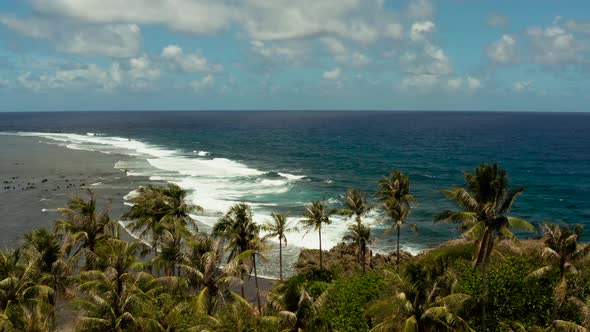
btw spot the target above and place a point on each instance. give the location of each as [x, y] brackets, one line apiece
[347, 300]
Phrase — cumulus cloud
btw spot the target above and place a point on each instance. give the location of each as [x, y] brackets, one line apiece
[431, 61]
[553, 45]
[455, 83]
[503, 50]
[470, 83]
[419, 29]
[114, 40]
[189, 63]
[277, 53]
[332, 75]
[581, 26]
[496, 21]
[203, 83]
[80, 76]
[193, 16]
[473, 83]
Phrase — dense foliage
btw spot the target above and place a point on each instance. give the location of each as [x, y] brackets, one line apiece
[84, 277]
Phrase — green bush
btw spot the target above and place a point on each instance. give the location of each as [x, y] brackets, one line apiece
[512, 297]
[347, 300]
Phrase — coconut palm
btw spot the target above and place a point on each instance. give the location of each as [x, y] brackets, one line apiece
[297, 309]
[395, 200]
[361, 235]
[42, 248]
[33, 316]
[355, 203]
[277, 229]
[22, 299]
[562, 251]
[156, 209]
[82, 228]
[484, 203]
[202, 269]
[116, 298]
[317, 214]
[423, 300]
[238, 229]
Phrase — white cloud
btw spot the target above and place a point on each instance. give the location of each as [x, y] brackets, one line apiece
[193, 16]
[142, 73]
[522, 86]
[332, 75]
[292, 55]
[432, 61]
[473, 83]
[553, 45]
[334, 45]
[77, 77]
[496, 21]
[114, 40]
[203, 83]
[419, 9]
[502, 50]
[455, 83]
[3, 83]
[581, 26]
[119, 40]
[419, 29]
[189, 63]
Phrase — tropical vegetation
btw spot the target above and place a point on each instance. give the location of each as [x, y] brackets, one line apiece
[83, 275]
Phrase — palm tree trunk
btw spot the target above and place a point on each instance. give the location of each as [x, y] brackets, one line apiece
[256, 282]
[281, 258]
[397, 255]
[321, 255]
[484, 285]
[364, 262]
[242, 290]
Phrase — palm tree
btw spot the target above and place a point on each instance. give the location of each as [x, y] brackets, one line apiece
[117, 299]
[277, 228]
[484, 204]
[238, 228]
[361, 235]
[42, 248]
[396, 198]
[562, 251]
[317, 213]
[355, 203]
[297, 309]
[82, 228]
[157, 209]
[423, 301]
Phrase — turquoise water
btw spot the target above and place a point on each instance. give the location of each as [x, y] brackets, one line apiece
[278, 161]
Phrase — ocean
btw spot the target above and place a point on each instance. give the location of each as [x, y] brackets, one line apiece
[279, 161]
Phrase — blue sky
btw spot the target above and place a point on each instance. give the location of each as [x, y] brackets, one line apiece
[526, 55]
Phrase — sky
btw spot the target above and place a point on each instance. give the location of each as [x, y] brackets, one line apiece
[500, 55]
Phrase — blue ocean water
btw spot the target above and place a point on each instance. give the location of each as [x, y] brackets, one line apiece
[279, 161]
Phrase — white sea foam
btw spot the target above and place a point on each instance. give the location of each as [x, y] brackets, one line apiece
[215, 184]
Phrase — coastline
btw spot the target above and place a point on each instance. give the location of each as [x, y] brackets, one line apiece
[38, 176]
